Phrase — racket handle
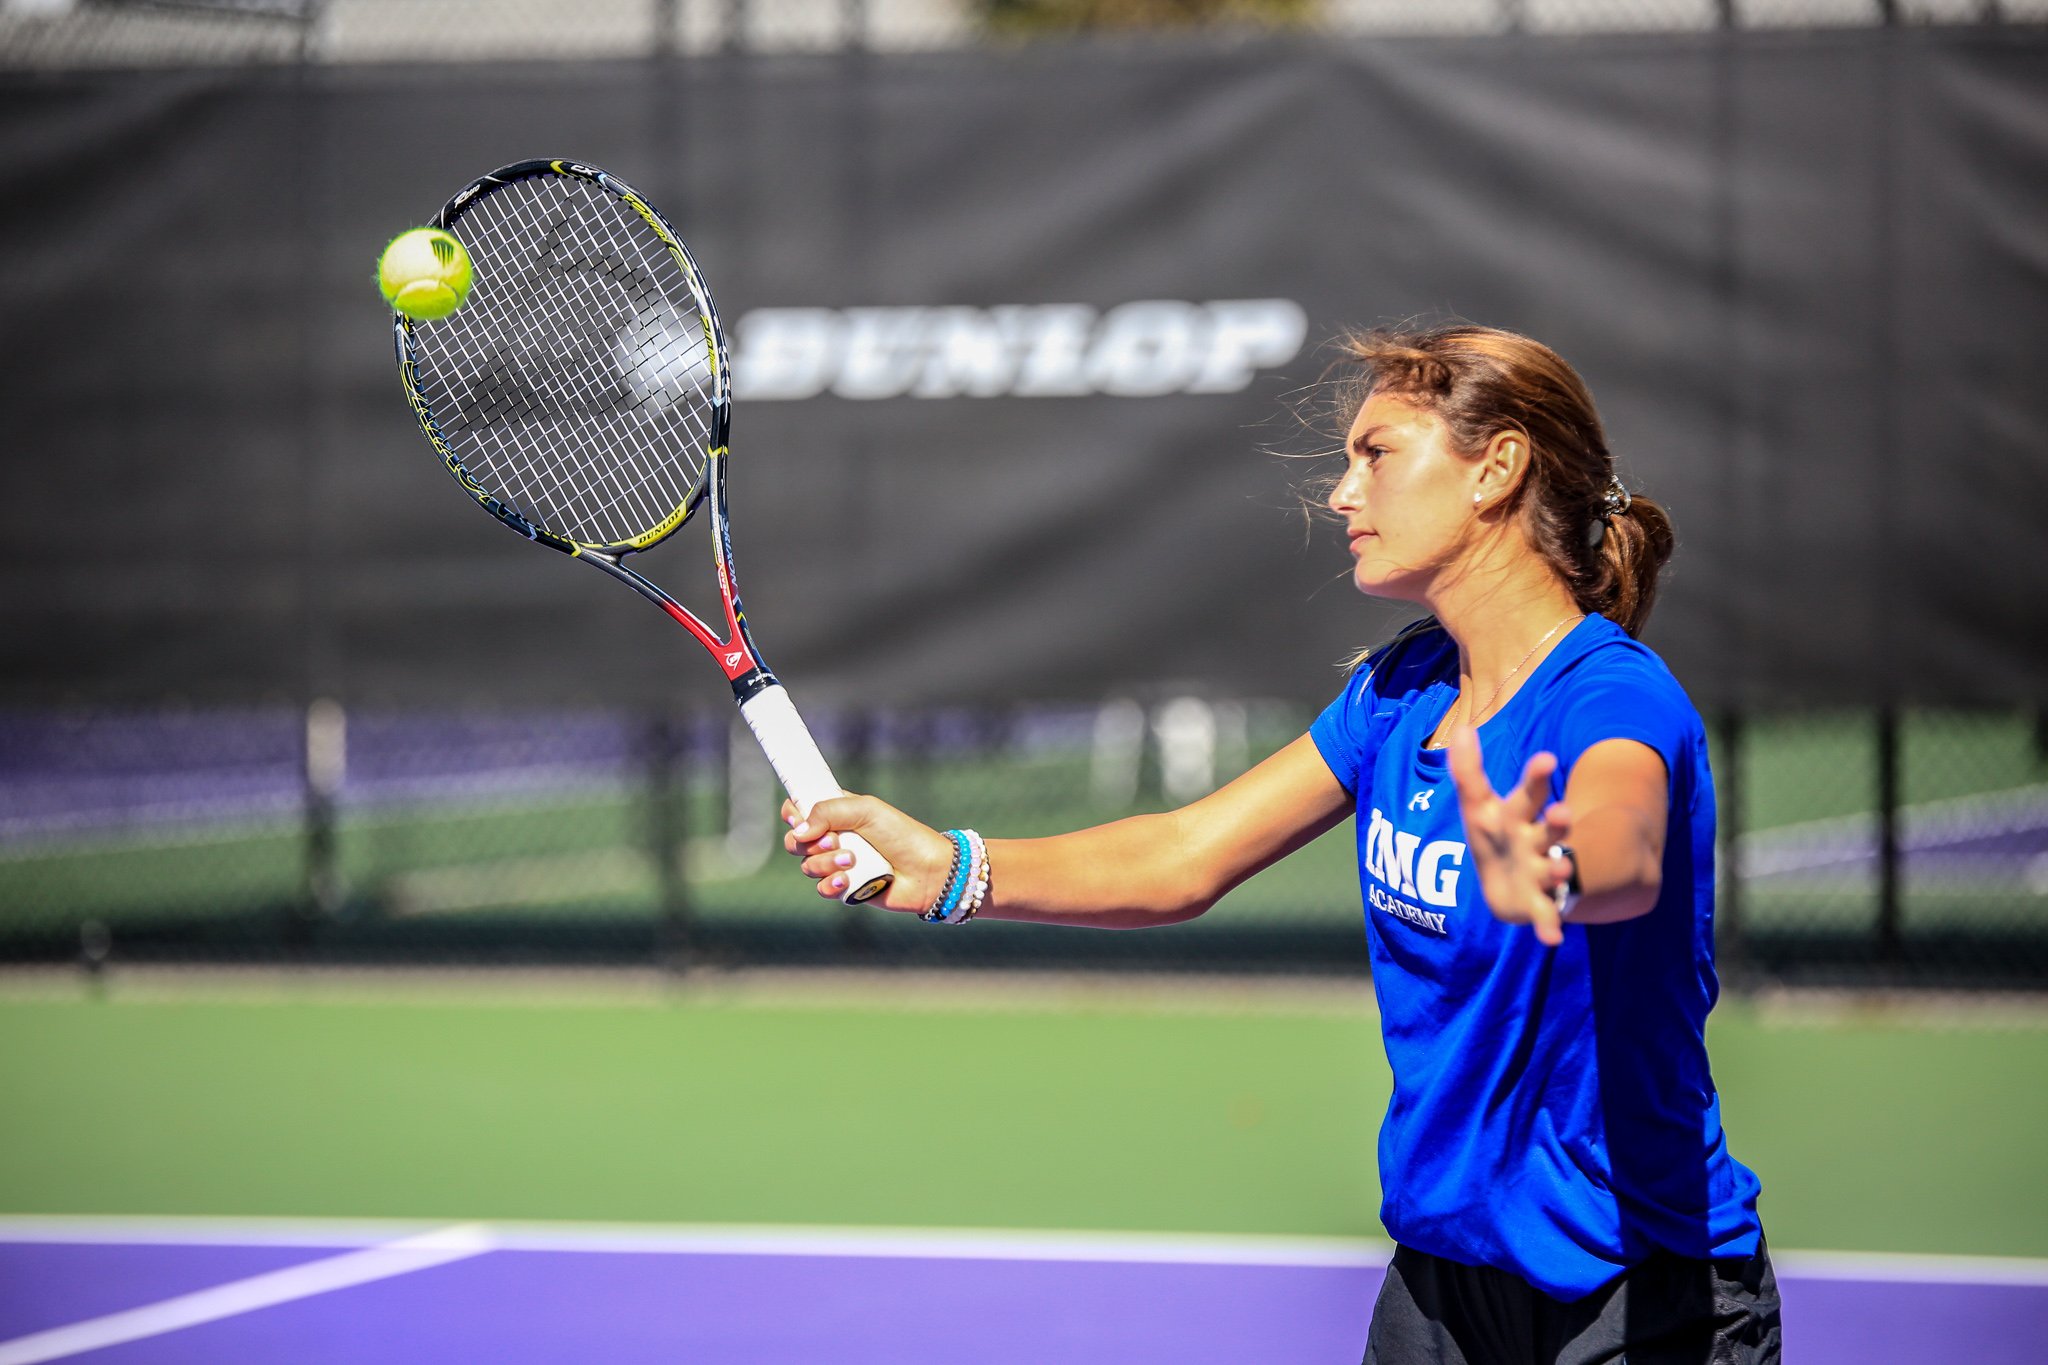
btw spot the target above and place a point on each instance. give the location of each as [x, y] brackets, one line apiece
[808, 779]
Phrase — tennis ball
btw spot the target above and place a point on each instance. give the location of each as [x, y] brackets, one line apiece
[425, 273]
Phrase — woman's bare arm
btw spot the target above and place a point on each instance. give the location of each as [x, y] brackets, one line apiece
[1619, 798]
[1147, 870]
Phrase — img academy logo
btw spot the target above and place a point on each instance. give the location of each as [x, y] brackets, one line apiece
[1407, 871]
[1047, 350]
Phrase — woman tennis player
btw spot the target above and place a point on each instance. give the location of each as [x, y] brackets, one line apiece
[1536, 851]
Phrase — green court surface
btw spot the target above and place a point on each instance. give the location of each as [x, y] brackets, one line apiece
[1181, 1111]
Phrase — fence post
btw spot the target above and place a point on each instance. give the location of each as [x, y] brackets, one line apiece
[305, 49]
[667, 826]
[323, 769]
[95, 947]
[324, 736]
[1889, 943]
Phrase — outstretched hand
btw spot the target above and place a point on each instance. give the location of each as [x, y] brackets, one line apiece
[1511, 838]
[921, 855]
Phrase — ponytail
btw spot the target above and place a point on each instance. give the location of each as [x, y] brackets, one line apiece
[1619, 579]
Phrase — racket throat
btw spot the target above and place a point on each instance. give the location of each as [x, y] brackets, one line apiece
[753, 683]
[735, 652]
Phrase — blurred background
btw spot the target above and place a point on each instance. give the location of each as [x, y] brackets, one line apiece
[1031, 299]
[1033, 303]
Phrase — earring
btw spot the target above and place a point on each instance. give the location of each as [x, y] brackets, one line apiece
[1475, 499]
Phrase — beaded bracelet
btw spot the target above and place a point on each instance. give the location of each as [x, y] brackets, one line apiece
[941, 911]
[977, 885]
[966, 885]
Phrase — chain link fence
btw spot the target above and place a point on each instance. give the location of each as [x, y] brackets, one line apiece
[116, 33]
[1895, 842]
[1856, 846]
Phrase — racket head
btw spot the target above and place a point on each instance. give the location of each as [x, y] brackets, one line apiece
[581, 394]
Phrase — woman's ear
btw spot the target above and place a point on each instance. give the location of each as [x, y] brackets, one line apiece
[1502, 466]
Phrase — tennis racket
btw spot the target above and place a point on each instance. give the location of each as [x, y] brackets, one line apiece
[580, 395]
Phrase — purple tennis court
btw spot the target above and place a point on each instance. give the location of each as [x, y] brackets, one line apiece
[239, 1294]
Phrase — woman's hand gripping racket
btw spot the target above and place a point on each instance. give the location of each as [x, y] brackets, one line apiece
[581, 396]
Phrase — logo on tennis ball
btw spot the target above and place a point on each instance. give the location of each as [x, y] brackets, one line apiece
[424, 274]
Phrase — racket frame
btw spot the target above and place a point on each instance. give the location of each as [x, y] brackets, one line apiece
[735, 650]
[763, 702]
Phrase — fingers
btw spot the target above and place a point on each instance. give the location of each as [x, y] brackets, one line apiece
[839, 813]
[818, 831]
[1510, 837]
[815, 839]
[804, 847]
[1533, 790]
[1468, 770]
[821, 866]
[1557, 874]
[1557, 823]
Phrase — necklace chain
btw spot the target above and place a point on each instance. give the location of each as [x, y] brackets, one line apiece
[1470, 717]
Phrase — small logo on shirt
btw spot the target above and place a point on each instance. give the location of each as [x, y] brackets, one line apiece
[1420, 801]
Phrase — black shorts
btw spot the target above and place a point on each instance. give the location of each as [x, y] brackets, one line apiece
[1667, 1311]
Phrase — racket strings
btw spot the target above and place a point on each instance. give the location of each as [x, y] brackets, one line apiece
[505, 384]
[598, 485]
[595, 488]
[565, 251]
[576, 385]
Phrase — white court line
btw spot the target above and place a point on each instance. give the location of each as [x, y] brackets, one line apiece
[1887, 1267]
[246, 1296]
[91, 1229]
[727, 1239]
[947, 1243]
[963, 1244]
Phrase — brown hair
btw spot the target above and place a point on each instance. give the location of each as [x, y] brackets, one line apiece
[1482, 382]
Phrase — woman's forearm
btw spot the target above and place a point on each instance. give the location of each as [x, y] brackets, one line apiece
[1620, 862]
[1161, 869]
[1129, 874]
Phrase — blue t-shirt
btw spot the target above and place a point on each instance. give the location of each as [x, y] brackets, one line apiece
[1553, 1114]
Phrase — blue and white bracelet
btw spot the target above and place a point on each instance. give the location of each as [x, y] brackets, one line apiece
[966, 885]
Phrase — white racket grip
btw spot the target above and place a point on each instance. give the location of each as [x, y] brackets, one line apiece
[808, 779]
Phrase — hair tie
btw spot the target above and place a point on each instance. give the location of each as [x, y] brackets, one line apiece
[1617, 499]
[1613, 502]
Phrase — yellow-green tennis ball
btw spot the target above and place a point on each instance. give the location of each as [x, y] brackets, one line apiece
[425, 273]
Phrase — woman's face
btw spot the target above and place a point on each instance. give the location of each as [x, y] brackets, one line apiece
[1406, 499]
